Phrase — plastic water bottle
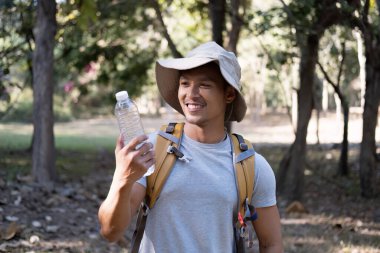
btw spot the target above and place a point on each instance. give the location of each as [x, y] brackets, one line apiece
[128, 118]
[129, 121]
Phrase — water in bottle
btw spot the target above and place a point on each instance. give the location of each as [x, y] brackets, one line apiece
[128, 117]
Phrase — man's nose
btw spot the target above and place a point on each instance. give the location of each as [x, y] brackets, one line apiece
[193, 91]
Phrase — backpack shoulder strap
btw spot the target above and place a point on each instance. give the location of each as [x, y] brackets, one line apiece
[244, 163]
[167, 152]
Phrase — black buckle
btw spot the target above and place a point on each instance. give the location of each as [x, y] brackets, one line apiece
[243, 146]
[170, 128]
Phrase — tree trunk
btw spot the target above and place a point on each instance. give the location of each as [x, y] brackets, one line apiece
[370, 114]
[343, 160]
[236, 24]
[291, 175]
[43, 169]
[217, 10]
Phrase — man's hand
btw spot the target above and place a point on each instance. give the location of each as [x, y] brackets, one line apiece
[132, 164]
[125, 195]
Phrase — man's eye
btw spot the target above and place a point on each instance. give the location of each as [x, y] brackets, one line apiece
[205, 85]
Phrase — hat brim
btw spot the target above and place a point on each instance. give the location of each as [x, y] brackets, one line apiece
[167, 77]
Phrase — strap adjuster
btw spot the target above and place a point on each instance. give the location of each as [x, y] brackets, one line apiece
[170, 128]
[173, 150]
[145, 208]
[243, 146]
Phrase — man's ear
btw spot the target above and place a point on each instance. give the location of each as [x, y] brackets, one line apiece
[230, 94]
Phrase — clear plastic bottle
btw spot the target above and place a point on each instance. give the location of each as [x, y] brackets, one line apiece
[128, 117]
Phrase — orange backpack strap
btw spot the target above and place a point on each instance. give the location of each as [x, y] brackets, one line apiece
[167, 152]
[244, 162]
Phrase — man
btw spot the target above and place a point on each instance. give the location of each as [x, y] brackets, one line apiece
[197, 205]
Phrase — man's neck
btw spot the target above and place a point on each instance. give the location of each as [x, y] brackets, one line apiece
[205, 134]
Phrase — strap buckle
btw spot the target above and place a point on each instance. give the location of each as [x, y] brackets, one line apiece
[173, 150]
[243, 146]
[145, 208]
[170, 128]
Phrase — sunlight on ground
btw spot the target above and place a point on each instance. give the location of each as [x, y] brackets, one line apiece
[328, 234]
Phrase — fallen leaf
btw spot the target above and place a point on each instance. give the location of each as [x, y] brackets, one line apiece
[296, 207]
[11, 231]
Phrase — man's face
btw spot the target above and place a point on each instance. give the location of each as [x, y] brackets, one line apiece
[203, 96]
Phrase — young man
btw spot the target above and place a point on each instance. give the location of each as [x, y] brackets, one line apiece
[197, 205]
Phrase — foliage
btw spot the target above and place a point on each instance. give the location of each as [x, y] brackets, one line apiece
[15, 50]
[112, 51]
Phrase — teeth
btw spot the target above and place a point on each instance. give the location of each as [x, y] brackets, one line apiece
[192, 106]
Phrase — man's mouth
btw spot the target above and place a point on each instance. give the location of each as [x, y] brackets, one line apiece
[194, 106]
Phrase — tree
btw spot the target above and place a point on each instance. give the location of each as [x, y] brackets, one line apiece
[310, 19]
[370, 29]
[15, 51]
[43, 169]
[343, 169]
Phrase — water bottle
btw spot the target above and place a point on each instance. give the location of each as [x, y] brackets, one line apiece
[128, 118]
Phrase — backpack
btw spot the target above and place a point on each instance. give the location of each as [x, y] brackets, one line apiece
[167, 152]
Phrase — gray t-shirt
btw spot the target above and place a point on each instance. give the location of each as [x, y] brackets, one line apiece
[196, 208]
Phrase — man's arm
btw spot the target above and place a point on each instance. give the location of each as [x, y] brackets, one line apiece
[125, 195]
[268, 230]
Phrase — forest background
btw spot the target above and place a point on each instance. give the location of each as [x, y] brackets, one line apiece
[310, 74]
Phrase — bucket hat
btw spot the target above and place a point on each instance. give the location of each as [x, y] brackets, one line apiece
[168, 74]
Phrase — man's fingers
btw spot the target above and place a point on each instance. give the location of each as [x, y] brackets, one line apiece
[119, 144]
[149, 162]
[135, 141]
[145, 148]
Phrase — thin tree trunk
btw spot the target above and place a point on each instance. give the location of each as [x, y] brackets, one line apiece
[43, 169]
[343, 160]
[370, 114]
[291, 175]
[237, 23]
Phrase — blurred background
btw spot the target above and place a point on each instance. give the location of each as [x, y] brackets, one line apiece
[310, 76]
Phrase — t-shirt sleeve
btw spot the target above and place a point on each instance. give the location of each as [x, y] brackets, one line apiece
[264, 192]
[151, 138]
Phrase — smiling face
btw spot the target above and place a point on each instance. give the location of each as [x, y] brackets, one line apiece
[204, 94]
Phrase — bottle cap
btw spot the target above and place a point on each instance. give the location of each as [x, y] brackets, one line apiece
[121, 95]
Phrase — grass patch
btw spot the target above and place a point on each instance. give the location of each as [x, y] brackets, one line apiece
[16, 141]
[76, 155]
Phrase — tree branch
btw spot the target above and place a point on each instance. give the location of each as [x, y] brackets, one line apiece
[171, 44]
[328, 79]
[341, 63]
[292, 19]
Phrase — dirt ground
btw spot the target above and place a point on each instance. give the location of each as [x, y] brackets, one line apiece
[335, 219]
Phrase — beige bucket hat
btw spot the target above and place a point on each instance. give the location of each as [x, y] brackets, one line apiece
[167, 74]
